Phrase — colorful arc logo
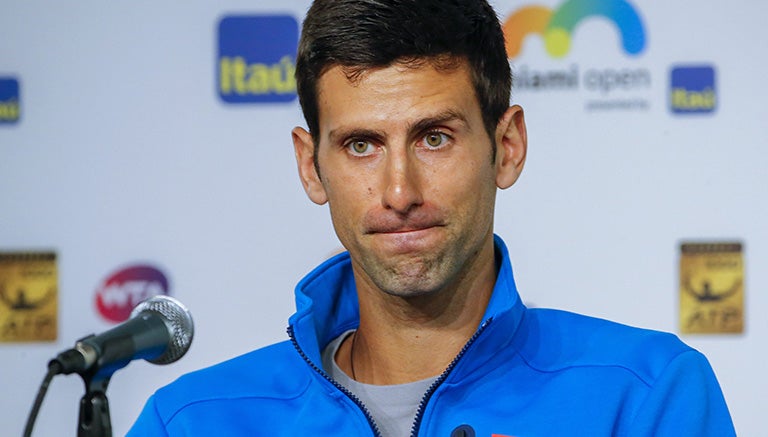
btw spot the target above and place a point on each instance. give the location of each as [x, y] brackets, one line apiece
[557, 26]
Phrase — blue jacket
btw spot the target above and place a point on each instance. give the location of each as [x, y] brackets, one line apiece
[525, 372]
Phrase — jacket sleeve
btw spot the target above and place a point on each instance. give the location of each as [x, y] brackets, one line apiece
[149, 422]
[686, 400]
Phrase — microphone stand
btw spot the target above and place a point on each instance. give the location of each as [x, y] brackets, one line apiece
[160, 331]
[94, 420]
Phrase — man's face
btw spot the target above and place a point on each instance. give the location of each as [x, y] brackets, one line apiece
[406, 167]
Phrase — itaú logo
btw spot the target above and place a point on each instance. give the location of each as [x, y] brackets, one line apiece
[557, 26]
[256, 59]
[124, 289]
[9, 100]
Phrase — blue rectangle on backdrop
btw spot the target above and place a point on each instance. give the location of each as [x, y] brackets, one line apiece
[256, 58]
[10, 102]
[692, 89]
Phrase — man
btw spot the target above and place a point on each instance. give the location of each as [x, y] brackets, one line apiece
[418, 329]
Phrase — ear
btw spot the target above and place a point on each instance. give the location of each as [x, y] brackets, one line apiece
[304, 148]
[511, 147]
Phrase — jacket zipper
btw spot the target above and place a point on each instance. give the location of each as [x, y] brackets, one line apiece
[432, 388]
[340, 387]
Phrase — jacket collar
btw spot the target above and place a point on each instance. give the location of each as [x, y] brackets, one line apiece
[327, 305]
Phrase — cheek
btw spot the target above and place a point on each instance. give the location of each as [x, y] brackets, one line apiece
[476, 200]
[467, 180]
[346, 198]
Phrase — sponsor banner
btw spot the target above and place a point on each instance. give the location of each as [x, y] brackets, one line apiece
[557, 26]
[122, 290]
[711, 288]
[10, 106]
[28, 296]
[692, 89]
[606, 86]
[256, 59]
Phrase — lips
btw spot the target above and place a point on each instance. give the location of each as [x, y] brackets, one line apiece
[403, 229]
[396, 234]
[393, 223]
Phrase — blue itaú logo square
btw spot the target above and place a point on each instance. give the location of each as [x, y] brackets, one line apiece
[692, 90]
[257, 58]
[10, 106]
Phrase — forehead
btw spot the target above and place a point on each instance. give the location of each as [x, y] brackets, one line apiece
[397, 93]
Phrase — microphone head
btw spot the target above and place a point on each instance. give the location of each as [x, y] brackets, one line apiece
[178, 320]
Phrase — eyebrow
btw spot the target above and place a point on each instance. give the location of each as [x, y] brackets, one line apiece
[339, 134]
[414, 128]
[437, 119]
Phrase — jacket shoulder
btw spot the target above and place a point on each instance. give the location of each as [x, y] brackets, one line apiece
[558, 340]
[274, 372]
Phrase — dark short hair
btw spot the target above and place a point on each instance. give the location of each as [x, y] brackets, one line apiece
[363, 34]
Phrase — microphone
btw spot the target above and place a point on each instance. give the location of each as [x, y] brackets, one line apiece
[160, 331]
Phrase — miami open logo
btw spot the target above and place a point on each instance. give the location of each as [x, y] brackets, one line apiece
[557, 26]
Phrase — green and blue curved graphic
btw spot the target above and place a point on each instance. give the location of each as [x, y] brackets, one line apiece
[557, 26]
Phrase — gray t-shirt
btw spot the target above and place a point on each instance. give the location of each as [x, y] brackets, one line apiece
[393, 407]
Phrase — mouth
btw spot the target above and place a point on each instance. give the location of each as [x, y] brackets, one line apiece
[406, 239]
[417, 222]
[403, 229]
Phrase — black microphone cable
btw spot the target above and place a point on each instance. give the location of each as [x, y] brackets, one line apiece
[53, 369]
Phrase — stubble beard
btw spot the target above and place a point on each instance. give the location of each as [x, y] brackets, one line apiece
[413, 276]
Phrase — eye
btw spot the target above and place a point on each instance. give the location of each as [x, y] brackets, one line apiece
[435, 140]
[360, 147]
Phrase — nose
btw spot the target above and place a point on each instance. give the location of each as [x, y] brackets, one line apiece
[402, 184]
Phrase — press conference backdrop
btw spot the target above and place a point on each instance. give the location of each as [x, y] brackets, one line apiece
[145, 149]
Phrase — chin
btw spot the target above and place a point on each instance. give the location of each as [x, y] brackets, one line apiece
[411, 284]
[412, 292]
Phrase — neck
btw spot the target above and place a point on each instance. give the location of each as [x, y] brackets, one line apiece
[403, 340]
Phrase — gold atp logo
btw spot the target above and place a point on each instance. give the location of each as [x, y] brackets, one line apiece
[28, 296]
[711, 288]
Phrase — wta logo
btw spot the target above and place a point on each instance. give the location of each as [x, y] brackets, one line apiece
[124, 289]
[557, 26]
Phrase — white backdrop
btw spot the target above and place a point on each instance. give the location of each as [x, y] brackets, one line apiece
[125, 153]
